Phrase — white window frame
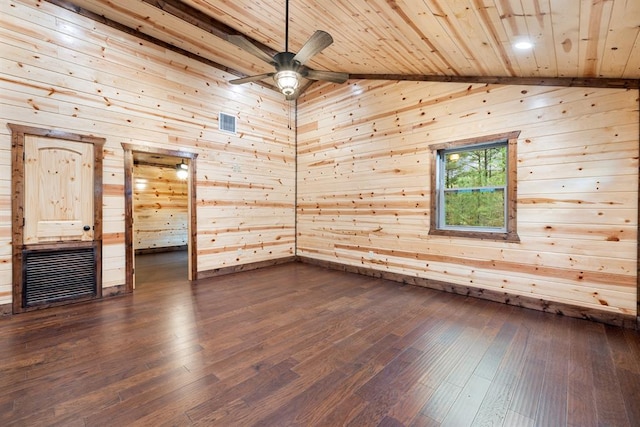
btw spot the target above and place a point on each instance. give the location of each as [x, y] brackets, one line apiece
[439, 153]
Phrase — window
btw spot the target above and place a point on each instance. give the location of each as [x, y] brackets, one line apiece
[473, 188]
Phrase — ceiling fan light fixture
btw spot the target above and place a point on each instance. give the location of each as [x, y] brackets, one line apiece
[290, 68]
[182, 170]
[287, 81]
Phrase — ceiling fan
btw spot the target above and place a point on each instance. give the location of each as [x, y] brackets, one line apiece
[290, 68]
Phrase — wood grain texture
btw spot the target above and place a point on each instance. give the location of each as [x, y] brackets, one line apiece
[66, 72]
[365, 170]
[297, 344]
[511, 217]
[562, 309]
[20, 134]
[361, 146]
[160, 207]
[428, 39]
[529, 81]
[223, 31]
[136, 153]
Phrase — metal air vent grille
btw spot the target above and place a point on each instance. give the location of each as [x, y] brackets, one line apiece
[227, 123]
[56, 275]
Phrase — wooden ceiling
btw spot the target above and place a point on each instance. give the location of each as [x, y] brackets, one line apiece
[571, 38]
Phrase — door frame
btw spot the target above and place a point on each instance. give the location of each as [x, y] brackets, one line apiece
[192, 246]
[18, 133]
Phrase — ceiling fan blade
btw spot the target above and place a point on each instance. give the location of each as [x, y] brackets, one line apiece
[316, 43]
[329, 76]
[247, 46]
[250, 79]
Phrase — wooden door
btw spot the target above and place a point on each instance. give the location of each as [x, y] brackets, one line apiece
[58, 190]
[56, 186]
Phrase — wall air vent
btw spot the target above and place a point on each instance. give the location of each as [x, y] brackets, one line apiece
[56, 275]
[227, 123]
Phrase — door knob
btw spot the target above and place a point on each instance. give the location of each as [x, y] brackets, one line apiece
[86, 228]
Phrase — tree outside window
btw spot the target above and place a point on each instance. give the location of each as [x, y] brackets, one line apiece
[474, 188]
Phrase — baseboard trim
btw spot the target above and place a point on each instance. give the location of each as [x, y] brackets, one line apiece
[6, 309]
[243, 267]
[111, 291]
[562, 309]
[114, 291]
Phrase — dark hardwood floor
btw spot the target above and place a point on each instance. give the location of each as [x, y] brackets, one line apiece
[296, 344]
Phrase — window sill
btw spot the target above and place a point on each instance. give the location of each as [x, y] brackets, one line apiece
[480, 235]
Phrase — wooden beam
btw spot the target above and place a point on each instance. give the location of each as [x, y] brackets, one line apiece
[203, 21]
[128, 30]
[611, 83]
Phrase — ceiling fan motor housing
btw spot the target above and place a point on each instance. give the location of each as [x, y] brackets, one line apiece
[284, 62]
[287, 75]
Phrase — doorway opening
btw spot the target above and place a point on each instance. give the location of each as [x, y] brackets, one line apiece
[160, 214]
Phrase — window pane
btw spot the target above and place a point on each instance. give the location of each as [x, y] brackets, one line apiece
[475, 208]
[481, 167]
[474, 188]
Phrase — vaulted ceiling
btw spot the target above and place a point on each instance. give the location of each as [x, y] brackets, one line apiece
[571, 38]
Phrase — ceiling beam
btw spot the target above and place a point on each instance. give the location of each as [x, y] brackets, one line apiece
[218, 29]
[203, 21]
[612, 83]
[68, 5]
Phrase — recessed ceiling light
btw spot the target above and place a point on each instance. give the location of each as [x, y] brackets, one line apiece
[523, 44]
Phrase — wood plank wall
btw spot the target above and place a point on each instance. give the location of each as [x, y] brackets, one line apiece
[160, 207]
[61, 71]
[364, 186]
